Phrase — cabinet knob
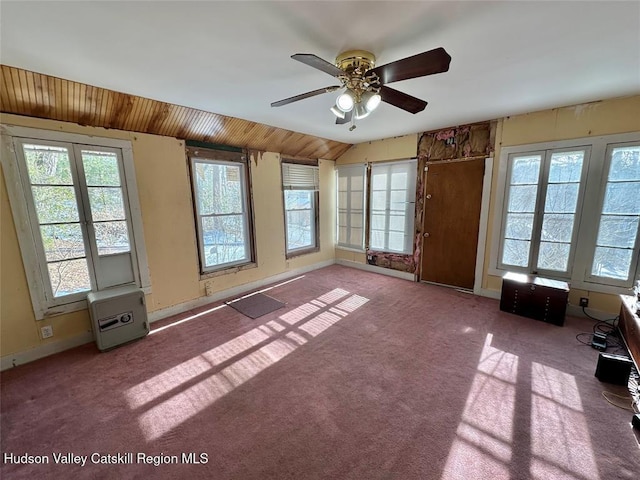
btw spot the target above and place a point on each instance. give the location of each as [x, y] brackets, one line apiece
[428, 196]
[425, 234]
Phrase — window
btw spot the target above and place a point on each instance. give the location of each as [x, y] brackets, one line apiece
[220, 191]
[543, 197]
[350, 201]
[571, 210]
[616, 246]
[76, 201]
[300, 185]
[393, 193]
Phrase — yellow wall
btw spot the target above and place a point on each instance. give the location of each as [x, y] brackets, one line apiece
[168, 223]
[607, 117]
[396, 148]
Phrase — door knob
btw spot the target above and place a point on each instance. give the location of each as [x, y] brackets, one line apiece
[428, 196]
[425, 234]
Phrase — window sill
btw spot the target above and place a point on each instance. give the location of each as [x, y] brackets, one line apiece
[573, 284]
[299, 253]
[228, 270]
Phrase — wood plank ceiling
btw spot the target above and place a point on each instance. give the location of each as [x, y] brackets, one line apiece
[35, 95]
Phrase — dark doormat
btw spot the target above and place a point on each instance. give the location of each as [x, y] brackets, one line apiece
[256, 305]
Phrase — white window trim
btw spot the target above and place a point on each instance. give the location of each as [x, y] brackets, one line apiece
[345, 246]
[18, 199]
[591, 203]
[410, 247]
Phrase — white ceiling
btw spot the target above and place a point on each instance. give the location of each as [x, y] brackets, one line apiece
[233, 57]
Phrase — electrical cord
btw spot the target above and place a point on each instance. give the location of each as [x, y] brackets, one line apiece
[631, 406]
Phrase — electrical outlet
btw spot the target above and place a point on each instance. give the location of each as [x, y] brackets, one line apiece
[208, 288]
[584, 302]
[46, 332]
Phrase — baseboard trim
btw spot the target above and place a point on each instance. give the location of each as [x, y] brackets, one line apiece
[234, 291]
[372, 268]
[485, 292]
[20, 358]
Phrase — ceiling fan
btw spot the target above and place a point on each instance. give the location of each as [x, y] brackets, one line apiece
[363, 84]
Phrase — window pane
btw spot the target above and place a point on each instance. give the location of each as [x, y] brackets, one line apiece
[557, 227]
[625, 164]
[356, 200]
[561, 198]
[378, 222]
[62, 241]
[69, 276]
[553, 256]
[342, 218]
[396, 241]
[397, 223]
[618, 231]
[218, 188]
[611, 263]
[377, 239]
[519, 225]
[297, 199]
[525, 170]
[55, 204]
[112, 237]
[399, 180]
[342, 199]
[47, 165]
[342, 235]
[516, 252]
[379, 200]
[522, 198]
[106, 203]
[566, 167]
[622, 198]
[379, 180]
[356, 236]
[223, 239]
[299, 229]
[100, 168]
[356, 220]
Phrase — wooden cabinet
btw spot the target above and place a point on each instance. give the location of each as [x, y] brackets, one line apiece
[535, 297]
[630, 326]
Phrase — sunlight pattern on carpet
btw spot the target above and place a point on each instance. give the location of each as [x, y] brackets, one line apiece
[169, 399]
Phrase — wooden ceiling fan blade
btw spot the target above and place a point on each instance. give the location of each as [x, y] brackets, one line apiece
[420, 65]
[302, 96]
[317, 62]
[346, 119]
[402, 100]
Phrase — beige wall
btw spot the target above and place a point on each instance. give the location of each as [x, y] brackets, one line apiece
[621, 115]
[168, 223]
[396, 148]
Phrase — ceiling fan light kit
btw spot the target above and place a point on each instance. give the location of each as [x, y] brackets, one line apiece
[363, 85]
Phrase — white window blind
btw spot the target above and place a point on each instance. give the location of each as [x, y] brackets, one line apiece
[350, 205]
[393, 194]
[300, 177]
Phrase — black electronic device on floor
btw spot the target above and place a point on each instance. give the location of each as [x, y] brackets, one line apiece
[613, 369]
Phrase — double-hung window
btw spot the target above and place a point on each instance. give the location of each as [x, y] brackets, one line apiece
[392, 206]
[571, 210]
[223, 218]
[300, 185]
[77, 216]
[351, 201]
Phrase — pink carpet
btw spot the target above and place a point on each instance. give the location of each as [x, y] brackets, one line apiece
[360, 376]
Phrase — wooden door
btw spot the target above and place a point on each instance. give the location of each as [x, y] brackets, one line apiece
[453, 194]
